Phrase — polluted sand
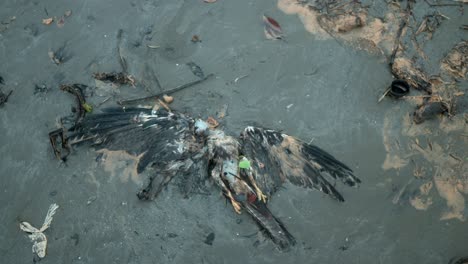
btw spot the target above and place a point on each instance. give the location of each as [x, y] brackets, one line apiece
[370, 34]
[450, 175]
[120, 163]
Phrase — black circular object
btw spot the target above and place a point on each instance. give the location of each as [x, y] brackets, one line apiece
[399, 88]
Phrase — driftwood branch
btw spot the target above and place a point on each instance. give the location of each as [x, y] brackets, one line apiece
[168, 92]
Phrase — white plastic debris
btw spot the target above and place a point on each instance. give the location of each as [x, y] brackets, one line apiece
[37, 235]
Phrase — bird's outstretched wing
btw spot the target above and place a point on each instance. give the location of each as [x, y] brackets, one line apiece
[277, 157]
[159, 138]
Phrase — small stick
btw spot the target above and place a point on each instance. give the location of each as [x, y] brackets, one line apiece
[455, 157]
[443, 4]
[404, 22]
[177, 89]
[385, 94]
[122, 61]
[416, 96]
[105, 100]
[241, 77]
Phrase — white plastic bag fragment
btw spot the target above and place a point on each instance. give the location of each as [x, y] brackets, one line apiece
[37, 235]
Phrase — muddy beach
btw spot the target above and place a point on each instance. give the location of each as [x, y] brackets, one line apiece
[320, 70]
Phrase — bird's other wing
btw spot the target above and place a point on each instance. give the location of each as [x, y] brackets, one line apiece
[159, 138]
[277, 157]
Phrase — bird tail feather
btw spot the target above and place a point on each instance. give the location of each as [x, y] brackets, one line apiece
[271, 225]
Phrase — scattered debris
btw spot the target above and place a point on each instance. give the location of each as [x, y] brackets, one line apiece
[240, 78]
[430, 23]
[68, 13]
[210, 238]
[400, 32]
[456, 61]
[195, 39]
[47, 21]
[115, 77]
[153, 46]
[103, 102]
[62, 150]
[4, 97]
[155, 96]
[345, 245]
[404, 69]
[77, 90]
[335, 18]
[41, 89]
[399, 88]
[196, 70]
[172, 235]
[59, 56]
[272, 28]
[91, 200]
[53, 58]
[37, 235]
[421, 201]
[168, 99]
[431, 107]
[210, 1]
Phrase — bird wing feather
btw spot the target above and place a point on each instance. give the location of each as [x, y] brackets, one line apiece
[162, 139]
[277, 157]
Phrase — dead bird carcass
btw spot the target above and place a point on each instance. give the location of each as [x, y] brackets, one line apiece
[247, 169]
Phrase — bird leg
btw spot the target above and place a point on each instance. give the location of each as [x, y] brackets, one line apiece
[258, 191]
[235, 204]
[216, 173]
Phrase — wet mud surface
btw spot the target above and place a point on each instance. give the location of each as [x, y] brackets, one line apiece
[321, 83]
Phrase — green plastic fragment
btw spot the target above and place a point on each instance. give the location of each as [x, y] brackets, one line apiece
[87, 107]
[244, 164]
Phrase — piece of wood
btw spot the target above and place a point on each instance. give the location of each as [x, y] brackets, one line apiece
[169, 92]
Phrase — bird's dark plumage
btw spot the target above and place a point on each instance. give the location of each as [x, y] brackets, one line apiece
[245, 168]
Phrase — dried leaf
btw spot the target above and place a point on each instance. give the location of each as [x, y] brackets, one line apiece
[196, 70]
[47, 21]
[68, 13]
[195, 39]
[272, 28]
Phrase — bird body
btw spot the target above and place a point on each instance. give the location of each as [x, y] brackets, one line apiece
[248, 169]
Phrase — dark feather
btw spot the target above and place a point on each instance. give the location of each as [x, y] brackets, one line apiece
[158, 137]
[278, 157]
[273, 227]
